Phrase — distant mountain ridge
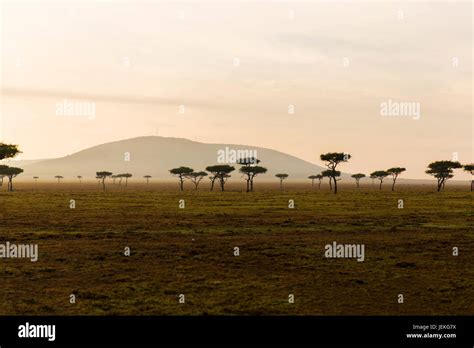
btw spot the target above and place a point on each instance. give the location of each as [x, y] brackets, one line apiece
[155, 156]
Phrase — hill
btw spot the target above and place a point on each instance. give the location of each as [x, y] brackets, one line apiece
[153, 155]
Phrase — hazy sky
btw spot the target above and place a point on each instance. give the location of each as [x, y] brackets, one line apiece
[237, 67]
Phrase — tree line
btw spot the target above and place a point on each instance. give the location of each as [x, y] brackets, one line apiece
[250, 168]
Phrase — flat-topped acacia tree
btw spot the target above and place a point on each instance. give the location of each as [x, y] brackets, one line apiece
[80, 179]
[126, 176]
[196, 178]
[327, 174]
[59, 177]
[357, 178]
[312, 178]
[442, 171]
[250, 170]
[333, 159]
[102, 176]
[380, 175]
[320, 178]
[281, 176]
[35, 178]
[395, 172]
[7, 151]
[11, 173]
[220, 172]
[470, 169]
[181, 173]
[147, 178]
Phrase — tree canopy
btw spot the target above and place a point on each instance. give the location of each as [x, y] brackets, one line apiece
[442, 171]
[10, 173]
[221, 172]
[357, 178]
[332, 160]
[8, 151]
[181, 173]
[250, 172]
[379, 174]
[395, 172]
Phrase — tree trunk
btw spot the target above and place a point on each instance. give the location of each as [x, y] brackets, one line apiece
[10, 185]
[380, 187]
[330, 184]
[312, 182]
[181, 183]
[281, 184]
[472, 184]
[393, 184]
[222, 184]
[212, 183]
[248, 184]
[357, 184]
[335, 185]
[319, 185]
[251, 185]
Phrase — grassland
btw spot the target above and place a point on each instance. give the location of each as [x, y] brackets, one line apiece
[190, 251]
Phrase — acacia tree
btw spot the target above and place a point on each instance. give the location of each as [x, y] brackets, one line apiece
[442, 171]
[220, 172]
[320, 178]
[470, 169]
[35, 178]
[281, 177]
[327, 174]
[120, 177]
[80, 179]
[196, 178]
[250, 170]
[181, 173]
[381, 175]
[332, 160]
[357, 178]
[126, 176]
[8, 151]
[147, 177]
[102, 176]
[59, 177]
[11, 173]
[395, 172]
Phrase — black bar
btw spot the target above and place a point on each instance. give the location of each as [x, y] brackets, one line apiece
[346, 330]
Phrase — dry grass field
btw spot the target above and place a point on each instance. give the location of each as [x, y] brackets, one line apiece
[190, 251]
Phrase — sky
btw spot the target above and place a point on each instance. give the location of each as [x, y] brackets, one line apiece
[303, 78]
